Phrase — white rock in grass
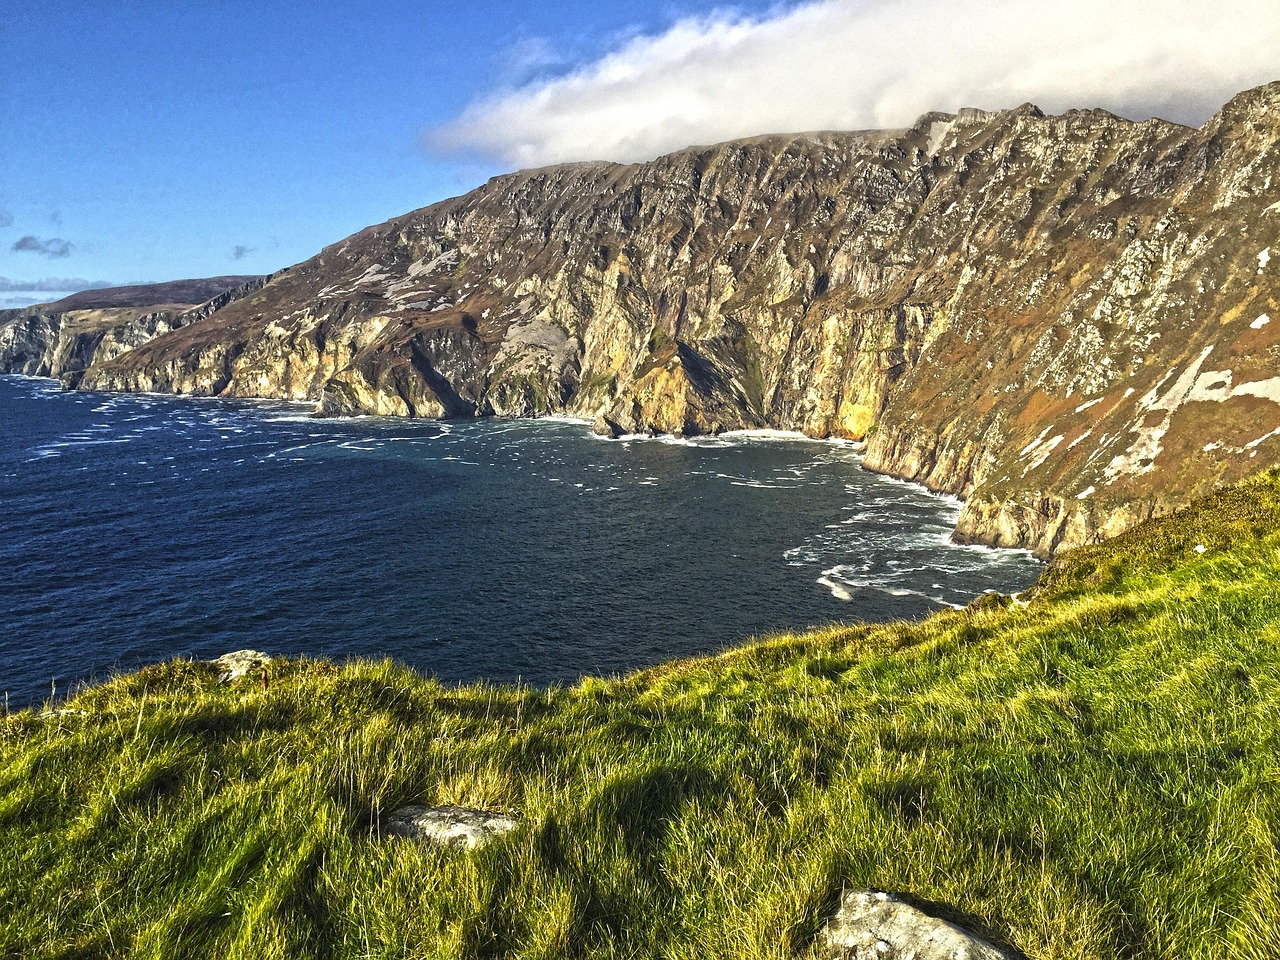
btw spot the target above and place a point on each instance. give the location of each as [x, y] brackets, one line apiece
[872, 925]
[449, 826]
[233, 666]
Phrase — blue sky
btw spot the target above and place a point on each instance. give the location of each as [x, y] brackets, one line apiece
[155, 141]
[160, 140]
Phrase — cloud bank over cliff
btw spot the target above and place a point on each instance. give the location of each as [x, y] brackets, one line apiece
[847, 65]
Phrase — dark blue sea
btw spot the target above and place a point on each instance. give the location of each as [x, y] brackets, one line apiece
[138, 528]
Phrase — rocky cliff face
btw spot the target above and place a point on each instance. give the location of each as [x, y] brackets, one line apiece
[65, 338]
[1066, 320]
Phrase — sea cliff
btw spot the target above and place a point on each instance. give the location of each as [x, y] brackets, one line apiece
[1066, 320]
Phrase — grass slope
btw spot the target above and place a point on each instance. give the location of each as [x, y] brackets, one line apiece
[1095, 773]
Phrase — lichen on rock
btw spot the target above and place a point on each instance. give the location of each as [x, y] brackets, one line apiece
[874, 925]
[240, 663]
[449, 825]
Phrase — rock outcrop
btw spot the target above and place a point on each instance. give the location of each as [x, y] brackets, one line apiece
[1065, 320]
[449, 826]
[240, 663]
[873, 925]
[65, 338]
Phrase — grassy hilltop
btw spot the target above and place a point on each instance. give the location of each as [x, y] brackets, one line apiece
[1094, 773]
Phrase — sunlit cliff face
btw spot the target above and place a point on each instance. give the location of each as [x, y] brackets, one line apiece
[1059, 318]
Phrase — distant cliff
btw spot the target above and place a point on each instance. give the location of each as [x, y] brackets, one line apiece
[1065, 320]
[64, 338]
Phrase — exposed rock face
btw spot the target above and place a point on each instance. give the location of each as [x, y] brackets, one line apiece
[25, 340]
[240, 663]
[64, 338]
[872, 925]
[449, 826]
[1131, 362]
[1065, 320]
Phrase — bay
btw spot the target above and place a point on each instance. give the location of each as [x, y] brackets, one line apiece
[134, 528]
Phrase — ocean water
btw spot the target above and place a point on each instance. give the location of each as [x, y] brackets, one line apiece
[138, 528]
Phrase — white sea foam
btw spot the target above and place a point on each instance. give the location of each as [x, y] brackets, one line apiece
[734, 438]
[762, 485]
[998, 552]
[85, 442]
[764, 434]
[839, 581]
[838, 590]
[34, 380]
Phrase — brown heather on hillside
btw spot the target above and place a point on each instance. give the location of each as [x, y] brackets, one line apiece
[1065, 320]
[189, 293]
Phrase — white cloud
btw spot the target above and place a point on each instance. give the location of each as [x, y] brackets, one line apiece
[856, 64]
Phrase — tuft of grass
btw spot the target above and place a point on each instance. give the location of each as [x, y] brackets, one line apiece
[1093, 773]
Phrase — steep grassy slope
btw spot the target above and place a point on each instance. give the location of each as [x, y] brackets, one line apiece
[1094, 773]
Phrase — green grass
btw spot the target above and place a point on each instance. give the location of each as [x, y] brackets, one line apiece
[1094, 773]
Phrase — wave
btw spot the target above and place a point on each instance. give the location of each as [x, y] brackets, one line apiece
[843, 588]
[734, 438]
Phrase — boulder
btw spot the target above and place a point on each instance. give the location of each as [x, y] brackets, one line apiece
[873, 925]
[232, 666]
[448, 826]
[604, 427]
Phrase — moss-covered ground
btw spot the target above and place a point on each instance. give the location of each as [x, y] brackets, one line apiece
[1092, 773]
